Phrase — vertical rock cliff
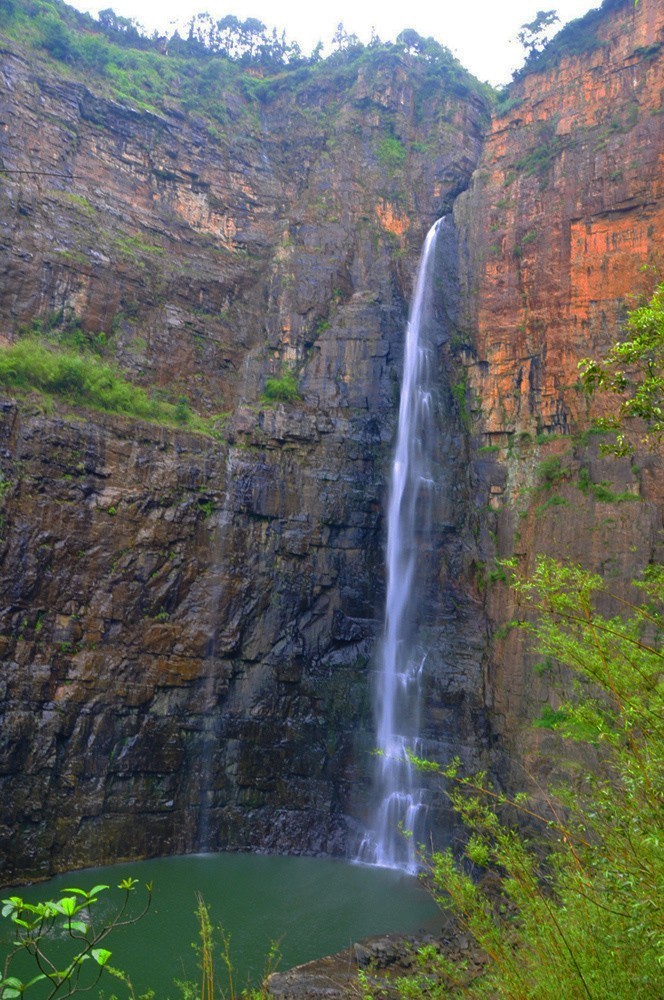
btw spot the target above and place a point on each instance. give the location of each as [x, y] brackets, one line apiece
[188, 622]
[561, 232]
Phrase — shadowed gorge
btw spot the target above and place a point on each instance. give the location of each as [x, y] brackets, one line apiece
[191, 603]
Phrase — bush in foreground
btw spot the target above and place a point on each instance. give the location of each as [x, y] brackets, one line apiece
[574, 912]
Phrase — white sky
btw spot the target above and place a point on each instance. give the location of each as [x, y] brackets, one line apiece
[481, 33]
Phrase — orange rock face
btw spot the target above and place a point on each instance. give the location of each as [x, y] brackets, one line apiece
[565, 222]
[562, 232]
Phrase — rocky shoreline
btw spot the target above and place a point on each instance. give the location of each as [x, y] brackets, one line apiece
[383, 959]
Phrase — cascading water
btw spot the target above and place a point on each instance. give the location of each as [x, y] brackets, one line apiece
[401, 811]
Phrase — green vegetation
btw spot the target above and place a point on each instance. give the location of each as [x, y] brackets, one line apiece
[57, 945]
[601, 490]
[66, 332]
[550, 472]
[60, 942]
[575, 38]
[78, 378]
[579, 905]
[525, 241]
[554, 501]
[634, 371]
[504, 105]
[571, 908]
[391, 153]
[459, 390]
[540, 158]
[282, 389]
[215, 56]
[486, 577]
[81, 378]
[208, 988]
[534, 35]
[134, 247]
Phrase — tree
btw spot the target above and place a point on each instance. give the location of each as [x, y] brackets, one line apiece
[7, 8]
[534, 36]
[123, 30]
[412, 41]
[342, 41]
[634, 370]
[574, 911]
[56, 39]
[203, 33]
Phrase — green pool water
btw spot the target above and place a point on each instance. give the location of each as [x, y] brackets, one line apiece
[315, 906]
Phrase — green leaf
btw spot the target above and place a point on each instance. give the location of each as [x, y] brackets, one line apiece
[101, 955]
[67, 905]
[15, 901]
[36, 979]
[78, 925]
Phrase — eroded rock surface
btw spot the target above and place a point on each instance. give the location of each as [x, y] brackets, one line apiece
[561, 232]
[189, 623]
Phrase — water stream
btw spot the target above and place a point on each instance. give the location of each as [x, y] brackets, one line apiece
[401, 809]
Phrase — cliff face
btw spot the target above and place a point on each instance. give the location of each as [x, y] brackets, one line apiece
[188, 623]
[563, 223]
[562, 231]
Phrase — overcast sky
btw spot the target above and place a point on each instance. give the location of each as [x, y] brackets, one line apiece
[481, 33]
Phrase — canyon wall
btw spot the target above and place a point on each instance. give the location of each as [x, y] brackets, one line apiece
[562, 231]
[188, 621]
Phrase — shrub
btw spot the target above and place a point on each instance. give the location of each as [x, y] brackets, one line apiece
[83, 379]
[634, 371]
[79, 378]
[573, 912]
[282, 389]
[56, 39]
[550, 472]
[391, 152]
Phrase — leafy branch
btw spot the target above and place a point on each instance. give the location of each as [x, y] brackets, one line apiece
[634, 370]
[40, 927]
[573, 904]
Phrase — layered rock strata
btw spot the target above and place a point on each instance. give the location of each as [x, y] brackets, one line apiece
[562, 231]
[188, 623]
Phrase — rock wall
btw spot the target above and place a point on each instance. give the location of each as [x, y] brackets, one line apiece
[188, 622]
[562, 231]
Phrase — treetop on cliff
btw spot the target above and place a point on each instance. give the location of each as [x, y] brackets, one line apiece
[634, 370]
[222, 66]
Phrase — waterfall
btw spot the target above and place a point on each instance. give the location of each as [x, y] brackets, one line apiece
[401, 805]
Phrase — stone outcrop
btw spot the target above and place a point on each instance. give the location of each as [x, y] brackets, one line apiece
[563, 224]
